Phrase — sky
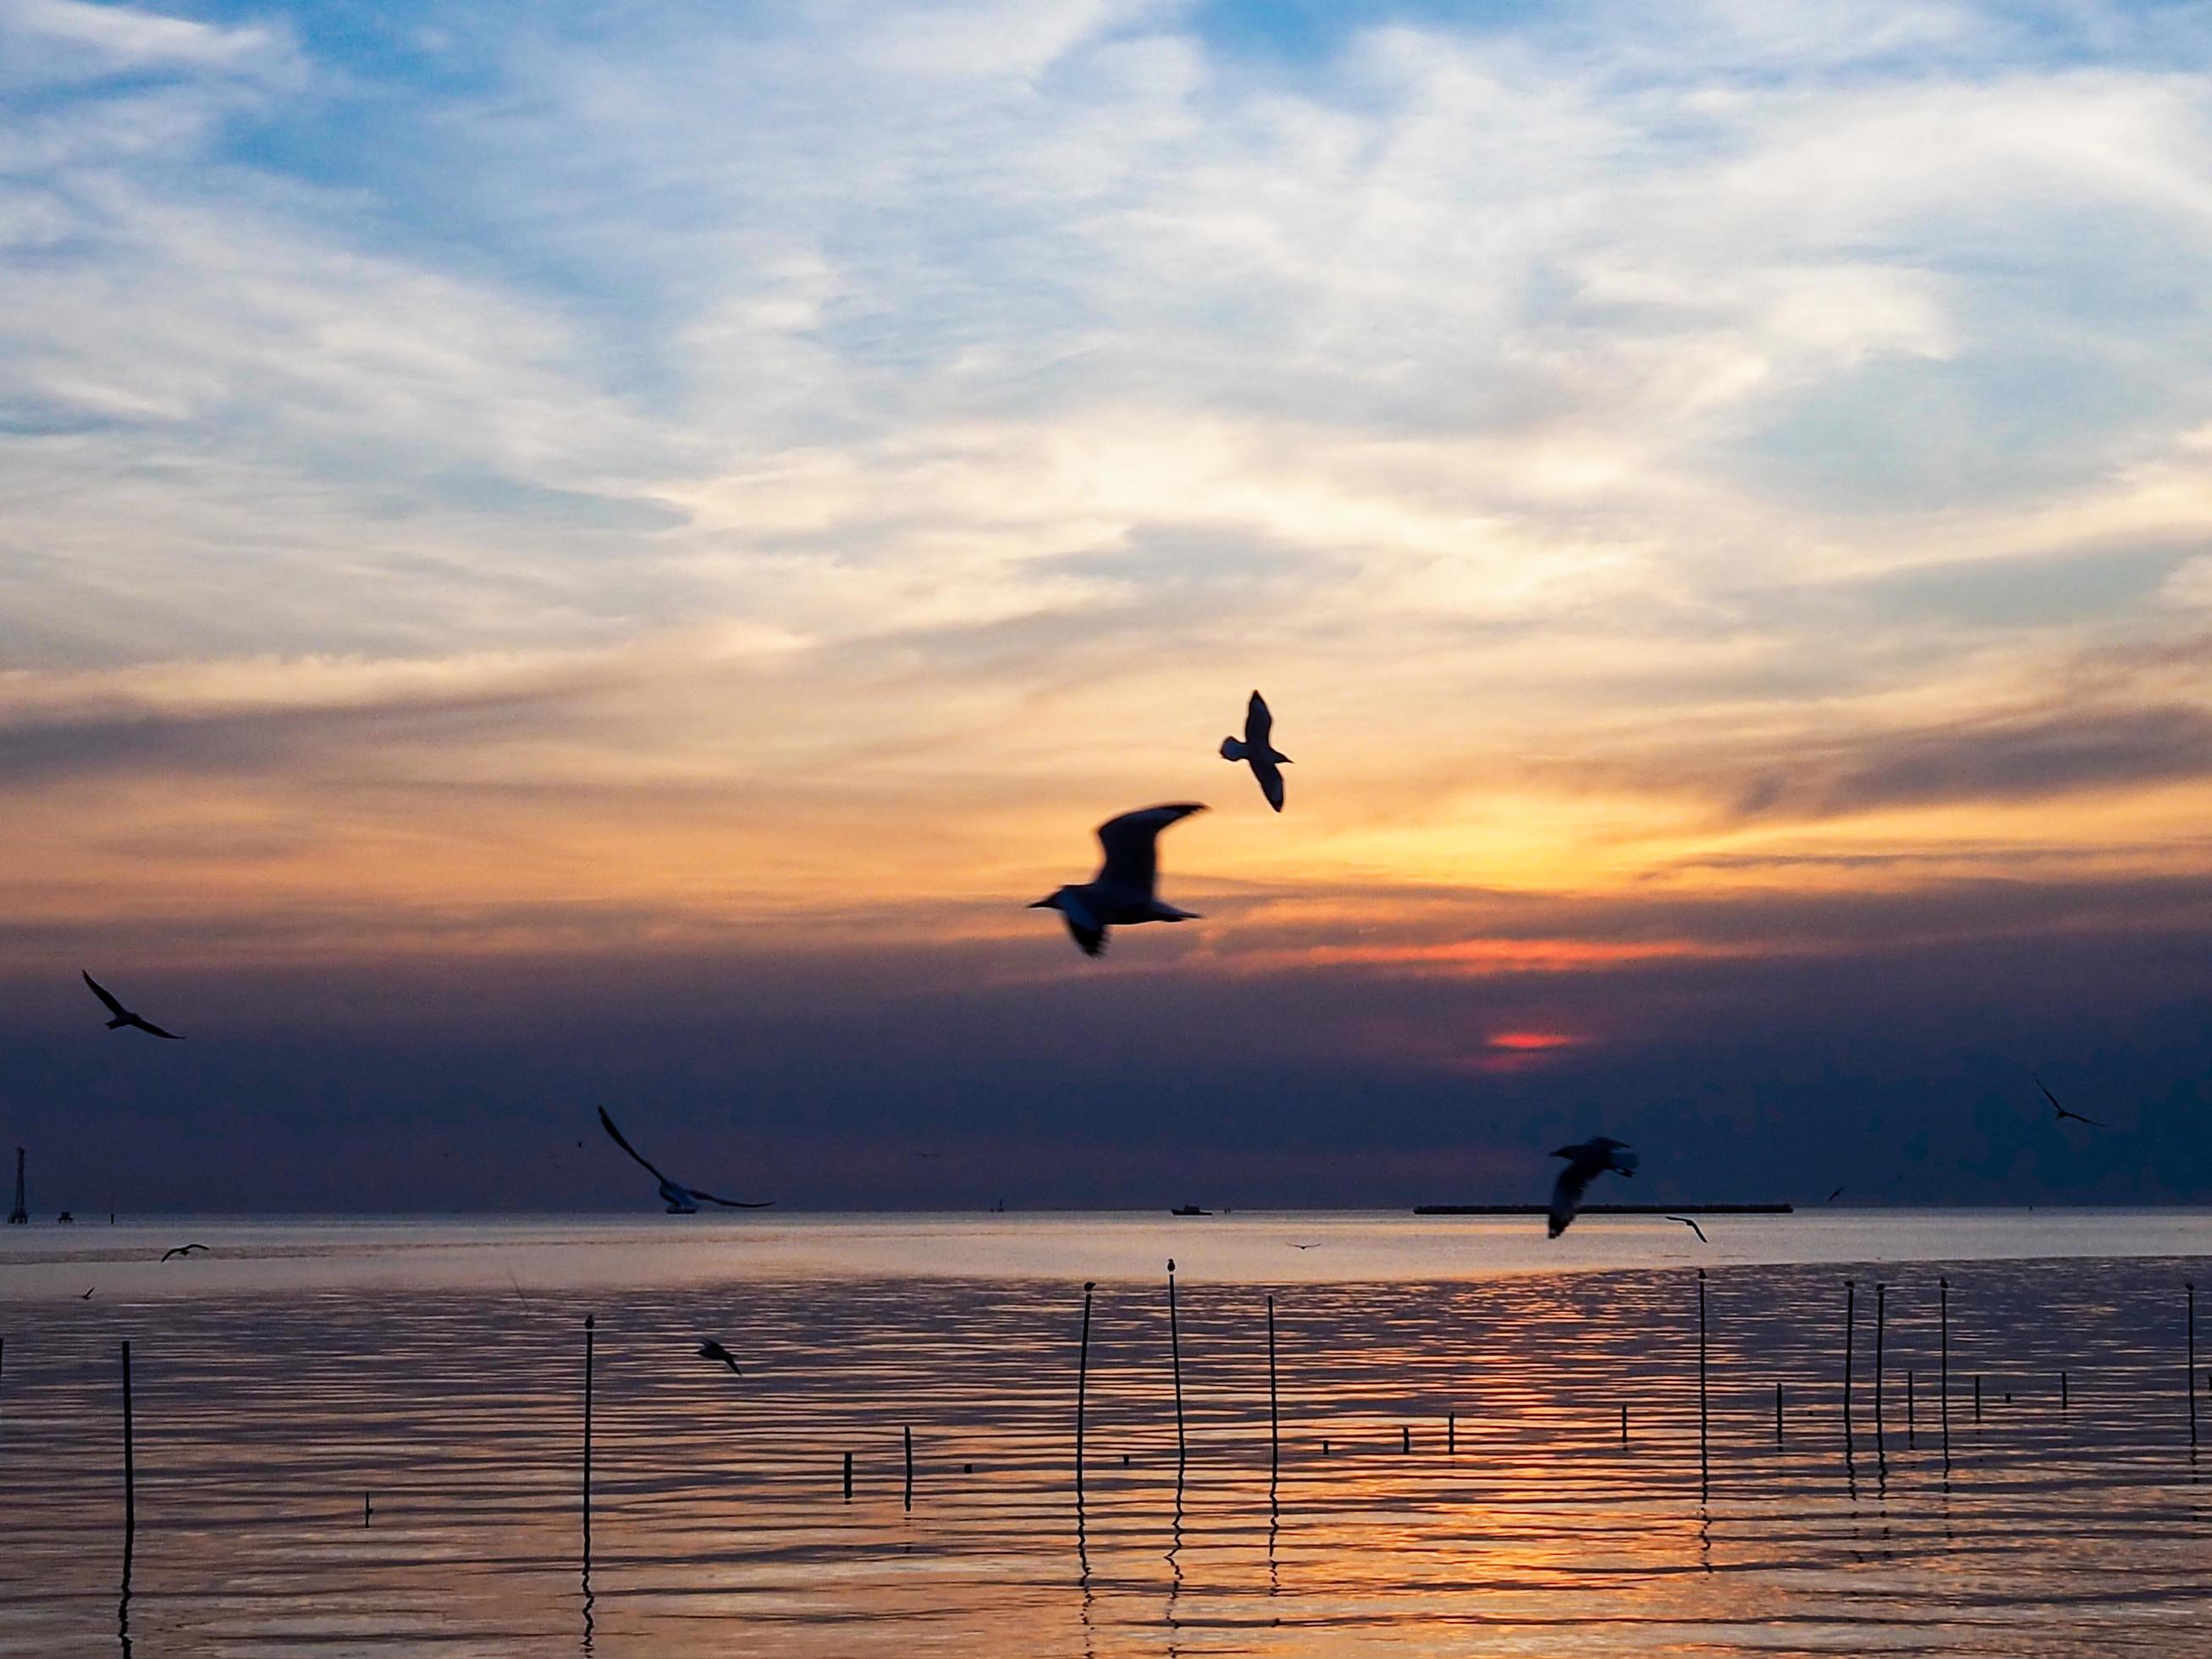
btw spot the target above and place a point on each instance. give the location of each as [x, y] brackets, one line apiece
[564, 556]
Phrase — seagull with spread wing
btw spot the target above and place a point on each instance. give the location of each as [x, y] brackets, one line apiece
[184, 1250]
[680, 1200]
[2063, 1114]
[1585, 1164]
[711, 1349]
[1121, 895]
[123, 1016]
[1267, 762]
[1691, 1224]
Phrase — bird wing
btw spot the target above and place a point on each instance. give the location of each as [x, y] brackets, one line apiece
[102, 992]
[2052, 1098]
[1271, 781]
[1691, 1224]
[179, 1251]
[1259, 723]
[1131, 858]
[1833, 1197]
[730, 1203]
[1567, 1193]
[2092, 1122]
[608, 1124]
[149, 1026]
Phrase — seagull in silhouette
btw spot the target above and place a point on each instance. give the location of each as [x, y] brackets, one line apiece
[712, 1350]
[1266, 761]
[1585, 1164]
[680, 1200]
[1121, 895]
[123, 1016]
[1315, 1246]
[182, 1250]
[1691, 1224]
[1833, 1197]
[2063, 1114]
[87, 1296]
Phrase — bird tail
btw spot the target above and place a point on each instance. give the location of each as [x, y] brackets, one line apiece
[1233, 749]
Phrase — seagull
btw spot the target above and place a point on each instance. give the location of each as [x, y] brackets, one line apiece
[122, 1015]
[87, 1296]
[1691, 1224]
[2063, 1114]
[182, 1250]
[1833, 1197]
[1267, 762]
[681, 1201]
[1314, 1246]
[712, 1350]
[1121, 893]
[1585, 1164]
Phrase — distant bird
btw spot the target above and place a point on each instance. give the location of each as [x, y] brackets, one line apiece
[2063, 1114]
[1121, 895]
[1267, 762]
[1691, 1224]
[712, 1350]
[1833, 1197]
[182, 1250]
[1315, 1246]
[87, 1296]
[1585, 1164]
[681, 1201]
[929, 1155]
[122, 1015]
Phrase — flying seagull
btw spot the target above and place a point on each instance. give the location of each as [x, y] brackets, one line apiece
[122, 1015]
[2063, 1114]
[711, 1349]
[1121, 893]
[1267, 762]
[1585, 1164]
[1296, 1246]
[182, 1250]
[1691, 1224]
[681, 1201]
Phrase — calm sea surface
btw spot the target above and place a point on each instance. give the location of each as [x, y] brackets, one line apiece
[1451, 1476]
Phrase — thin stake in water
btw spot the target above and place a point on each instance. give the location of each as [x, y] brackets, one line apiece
[1274, 1413]
[129, 1471]
[1850, 1327]
[1943, 1375]
[1704, 1471]
[590, 1321]
[905, 1431]
[848, 1476]
[1082, 1376]
[1880, 1326]
[1174, 1361]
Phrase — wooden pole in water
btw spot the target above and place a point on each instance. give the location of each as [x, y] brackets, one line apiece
[1451, 1434]
[1943, 1377]
[1274, 1412]
[129, 1469]
[2061, 1394]
[2192, 1364]
[1175, 1360]
[906, 1432]
[1405, 1436]
[1778, 1414]
[1880, 1326]
[1910, 1424]
[1703, 1468]
[1850, 1327]
[1624, 1425]
[848, 1476]
[1978, 1399]
[1082, 1377]
[590, 1321]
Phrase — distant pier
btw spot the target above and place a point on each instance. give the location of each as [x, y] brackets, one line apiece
[1608, 1209]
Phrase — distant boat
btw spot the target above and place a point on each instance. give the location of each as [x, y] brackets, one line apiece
[1189, 1209]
